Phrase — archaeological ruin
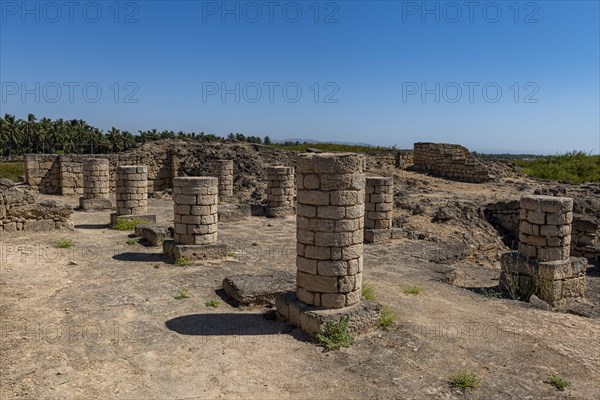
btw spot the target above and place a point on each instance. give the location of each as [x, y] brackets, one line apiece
[280, 191]
[132, 194]
[223, 171]
[96, 185]
[379, 205]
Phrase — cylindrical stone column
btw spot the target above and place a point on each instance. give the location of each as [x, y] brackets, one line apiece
[280, 188]
[379, 202]
[330, 222]
[96, 178]
[196, 206]
[545, 227]
[223, 170]
[132, 189]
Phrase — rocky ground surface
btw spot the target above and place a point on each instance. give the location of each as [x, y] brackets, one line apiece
[99, 320]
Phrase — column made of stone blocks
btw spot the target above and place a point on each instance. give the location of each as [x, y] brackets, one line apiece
[96, 178]
[196, 206]
[280, 186]
[545, 227]
[132, 189]
[330, 222]
[223, 170]
[379, 202]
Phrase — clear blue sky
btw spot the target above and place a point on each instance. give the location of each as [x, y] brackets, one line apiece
[370, 61]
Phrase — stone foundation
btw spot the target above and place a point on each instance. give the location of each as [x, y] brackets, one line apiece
[280, 191]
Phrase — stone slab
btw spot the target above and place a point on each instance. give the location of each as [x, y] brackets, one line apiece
[259, 289]
[154, 234]
[195, 252]
[95, 204]
[234, 212]
[147, 218]
[363, 316]
[378, 235]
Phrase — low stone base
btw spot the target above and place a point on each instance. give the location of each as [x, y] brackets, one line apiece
[280, 212]
[363, 316]
[381, 235]
[259, 289]
[194, 251]
[147, 218]
[233, 212]
[95, 204]
[154, 234]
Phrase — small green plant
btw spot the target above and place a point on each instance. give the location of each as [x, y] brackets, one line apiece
[157, 266]
[127, 224]
[464, 380]
[387, 317]
[212, 303]
[491, 294]
[133, 241]
[231, 254]
[336, 334]
[63, 244]
[368, 293]
[412, 290]
[558, 382]
[182, 294]
[183, 262]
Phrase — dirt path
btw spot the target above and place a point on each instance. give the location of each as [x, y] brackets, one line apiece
[92, 322]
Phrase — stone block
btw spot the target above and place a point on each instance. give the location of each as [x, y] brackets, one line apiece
[259, 289]
[96, 204]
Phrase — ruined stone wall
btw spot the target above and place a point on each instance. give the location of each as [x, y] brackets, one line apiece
[21, 210]
[450, 161]
[400, 159]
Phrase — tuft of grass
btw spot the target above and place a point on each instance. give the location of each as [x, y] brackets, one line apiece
[182, 294]
[127, 224]
[133, 241]
[63, 244]
[464, 380]
[387, 318]
[183, 262]
[490, 294]
[12, 170]
[212, 303]
[231, 254]
[336, 334]
[558, 382]
[412, 290]
[572, 167]
[368, 293]
[157, 266]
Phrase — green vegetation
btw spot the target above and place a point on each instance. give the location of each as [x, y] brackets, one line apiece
[368, 293]
[63, 244]
[558, 382]
[231, 254]
[336, 334]
[12, 170]
[183, 262]
[573, 167]
[489, 293]
[212, 303]
[133, 241]
[127, 224]
[157, 266]
[464, 380]
[412, 290]
[297, 146]
[387, 318]
[182, 294]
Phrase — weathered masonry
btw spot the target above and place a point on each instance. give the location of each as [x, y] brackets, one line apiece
[379, 204]
[280, 191]
[543, 265]
[223, 171]
[96, 185]
[132, 194]
[450, 161]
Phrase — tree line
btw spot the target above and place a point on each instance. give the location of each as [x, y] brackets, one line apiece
[19, 137]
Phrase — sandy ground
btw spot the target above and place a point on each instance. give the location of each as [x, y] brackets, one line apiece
[92, 322]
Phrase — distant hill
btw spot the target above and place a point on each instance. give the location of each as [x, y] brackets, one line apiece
[313, 141]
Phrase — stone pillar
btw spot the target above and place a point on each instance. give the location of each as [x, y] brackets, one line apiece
[280, 191]
[379, 204]
[132, 190]
[545, 227]
[543, 265]
[96, 182]
[196, 204]
[330, 221]
[223, 170]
